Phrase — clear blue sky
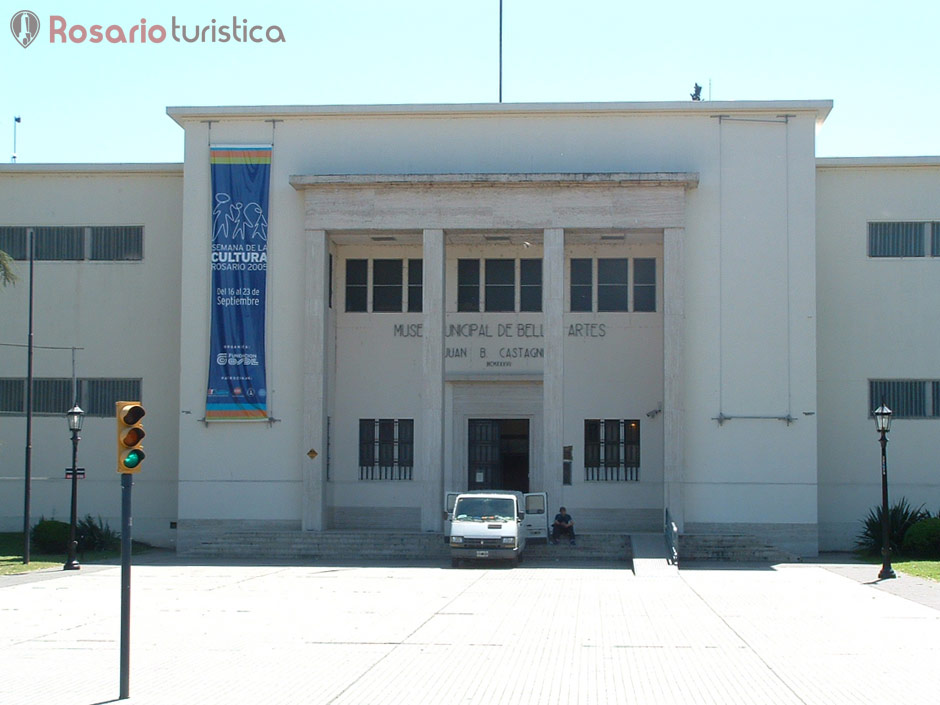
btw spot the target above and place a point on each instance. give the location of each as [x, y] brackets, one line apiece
[106, 102]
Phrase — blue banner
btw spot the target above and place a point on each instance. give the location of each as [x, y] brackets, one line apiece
[240, 184]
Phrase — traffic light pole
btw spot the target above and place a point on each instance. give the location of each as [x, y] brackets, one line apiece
[127, 482]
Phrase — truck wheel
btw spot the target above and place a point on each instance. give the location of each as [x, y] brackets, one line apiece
[454, 562]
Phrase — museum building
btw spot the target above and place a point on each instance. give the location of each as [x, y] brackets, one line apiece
[637, 308]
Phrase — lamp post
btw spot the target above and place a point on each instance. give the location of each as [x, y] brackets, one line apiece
[883, 423]
[75, 416]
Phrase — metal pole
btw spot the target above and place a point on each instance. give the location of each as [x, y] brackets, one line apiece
[887, 572]
[29, 407]
[72, 563]
[127, 482]
[500, 51]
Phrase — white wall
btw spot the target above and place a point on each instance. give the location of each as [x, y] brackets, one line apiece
[125, 316]
[878, 319]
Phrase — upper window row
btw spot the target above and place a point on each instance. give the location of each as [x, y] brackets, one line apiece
[55, 395]
[504, 285]
[909, 239]
[64, 242]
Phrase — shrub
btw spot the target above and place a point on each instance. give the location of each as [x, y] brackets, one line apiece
[51, 536]
[922, 540]
[96, 535]
[901, 516]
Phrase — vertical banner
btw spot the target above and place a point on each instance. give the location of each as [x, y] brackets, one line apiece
[240, 182]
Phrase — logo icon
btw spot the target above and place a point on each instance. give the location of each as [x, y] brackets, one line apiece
[25, 27]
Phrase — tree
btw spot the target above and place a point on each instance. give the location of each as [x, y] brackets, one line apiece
[7, 275]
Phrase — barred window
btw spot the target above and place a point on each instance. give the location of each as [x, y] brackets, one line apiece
[386, 449]
[54, 395]
[896, 239]
[12, 396]
[68, 242]
[612, 450]
[117, 242]
[935, 240]
[907, 398]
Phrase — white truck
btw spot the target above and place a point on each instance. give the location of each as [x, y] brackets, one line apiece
[494, 524]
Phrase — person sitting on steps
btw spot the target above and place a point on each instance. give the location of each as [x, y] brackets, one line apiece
[564, 524]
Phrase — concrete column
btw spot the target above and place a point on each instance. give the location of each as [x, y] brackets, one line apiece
[432, 392]
[316, 350]
[673, 367]
[553, 379]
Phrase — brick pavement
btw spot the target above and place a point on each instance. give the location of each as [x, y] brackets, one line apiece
[541, 634]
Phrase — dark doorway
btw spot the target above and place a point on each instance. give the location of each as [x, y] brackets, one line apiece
[498, 454]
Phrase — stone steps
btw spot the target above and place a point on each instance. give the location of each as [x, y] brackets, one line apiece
[377, 545]
[730, 547]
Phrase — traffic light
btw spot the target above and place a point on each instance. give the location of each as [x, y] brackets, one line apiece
[130, 433]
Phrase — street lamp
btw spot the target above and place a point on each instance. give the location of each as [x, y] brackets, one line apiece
[883, 423]
[75, 416]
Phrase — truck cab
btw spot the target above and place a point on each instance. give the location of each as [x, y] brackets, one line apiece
[494, 524]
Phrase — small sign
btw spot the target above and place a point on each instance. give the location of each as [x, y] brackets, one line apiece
[312, 454]
[79, 472]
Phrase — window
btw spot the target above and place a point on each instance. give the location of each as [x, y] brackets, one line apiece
[113, 243]
[60, 242]
[644, 284]
[896, 239]
[500, 285]
[935, 240]
[386, 449]
[530, 285]
[582, 285]
[468, 285]
[907, 398]
[54, 395]
[612, 284]
[611, 450]
[357, 285]
[386, 285]
[415, 285]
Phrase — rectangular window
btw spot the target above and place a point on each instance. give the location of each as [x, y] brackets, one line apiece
[644, 284]
[52, 396]
[582, 285]
[935, 395]
[611, 450]
[387, 280]
[415, 285]
[935, 240]
[357, 285]
[117, 242]
[386, 449]
[896, 239]
[468, 285]
[98, 395]
[13, 242]
[612, 284]
[59, 243]
[530, 285]
[906, 398]
[13, 396]
[500, 289]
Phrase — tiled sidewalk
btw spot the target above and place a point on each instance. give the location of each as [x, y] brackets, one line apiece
[539, 634]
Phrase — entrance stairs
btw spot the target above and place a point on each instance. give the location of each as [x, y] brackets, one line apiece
[358, 546]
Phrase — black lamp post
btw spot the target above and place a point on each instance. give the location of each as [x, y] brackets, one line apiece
[883, 424]
[75, 416]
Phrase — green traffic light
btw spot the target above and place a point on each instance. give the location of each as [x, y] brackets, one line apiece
[132, 460]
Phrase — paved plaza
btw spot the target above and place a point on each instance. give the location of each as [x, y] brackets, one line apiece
[427, 634]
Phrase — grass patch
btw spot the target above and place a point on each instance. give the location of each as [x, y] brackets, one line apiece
[11, 555]
[922, 569]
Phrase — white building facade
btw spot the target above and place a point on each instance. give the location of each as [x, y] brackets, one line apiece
[636, 308]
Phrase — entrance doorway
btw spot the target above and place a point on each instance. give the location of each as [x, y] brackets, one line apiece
[498, 454]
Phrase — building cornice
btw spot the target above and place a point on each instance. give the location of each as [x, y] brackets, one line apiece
[168, 169]
[687, 180]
